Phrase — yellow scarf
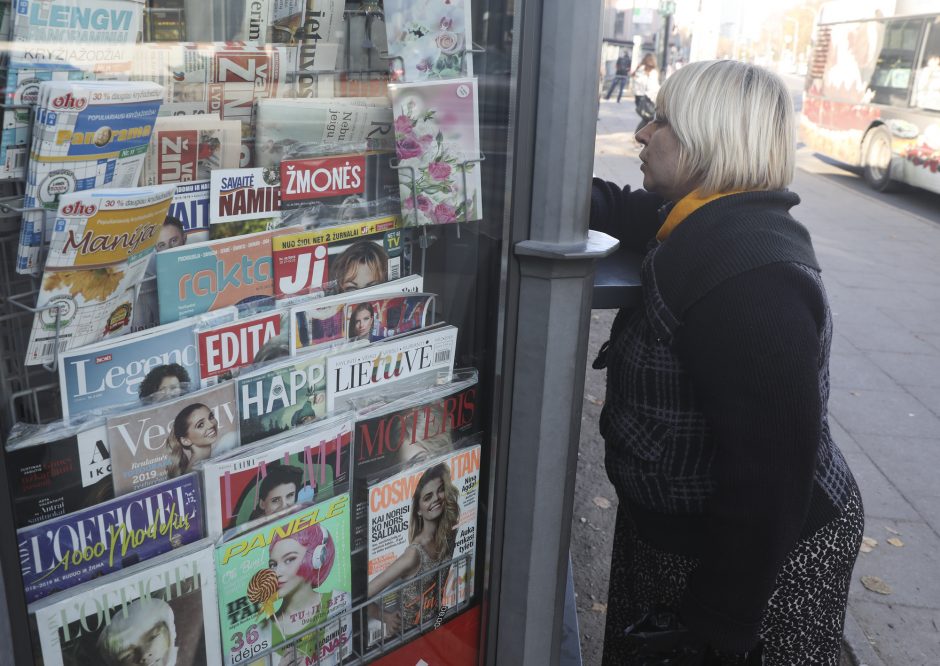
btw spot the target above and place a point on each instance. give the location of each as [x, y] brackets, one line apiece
[685, 207]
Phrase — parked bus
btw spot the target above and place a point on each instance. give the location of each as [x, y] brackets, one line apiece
[872, 95]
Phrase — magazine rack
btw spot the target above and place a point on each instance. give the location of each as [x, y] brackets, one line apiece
[31, 393]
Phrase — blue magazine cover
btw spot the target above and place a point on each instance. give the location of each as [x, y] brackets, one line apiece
[60, 553]
[155, 363]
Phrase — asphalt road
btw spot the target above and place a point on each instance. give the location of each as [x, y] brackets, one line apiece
[826, 189]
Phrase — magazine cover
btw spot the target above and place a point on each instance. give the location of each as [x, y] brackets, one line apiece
[378, 318]
[153, 364]
[329, 189]
[285, 123]
[227, 347]
[338, 258]
[22, 91]
[86, 135]
[417, 358]
[164, 440]
[419, 519]
[437, 134]
[322, 322]
[290, 575]
[282, 397]
[75, 548]
[165, 609]
[188, 218]
[418, 427]
[243, 201]
[201, 277]
[429, 40]
[75, 34]
[256, 482]
[188, 148]
[98, 254]
[57, 469]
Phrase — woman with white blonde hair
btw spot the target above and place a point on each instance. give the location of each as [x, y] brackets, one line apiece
[739, 520]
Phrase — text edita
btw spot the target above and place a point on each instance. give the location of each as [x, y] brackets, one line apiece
[237, 346]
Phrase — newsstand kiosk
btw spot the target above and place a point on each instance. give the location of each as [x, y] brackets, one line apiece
[493, 209]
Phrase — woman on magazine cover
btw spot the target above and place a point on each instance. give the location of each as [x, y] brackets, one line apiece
[195, 436]
[362, 323]
[362, 264]
[432, 532]
[302, 563]
[739, 520]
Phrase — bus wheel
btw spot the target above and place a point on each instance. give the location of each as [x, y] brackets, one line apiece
[877, 165]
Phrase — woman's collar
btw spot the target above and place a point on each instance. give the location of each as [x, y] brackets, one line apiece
[685, 207]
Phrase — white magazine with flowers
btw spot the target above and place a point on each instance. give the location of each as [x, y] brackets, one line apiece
[429, 39]
[437, 141]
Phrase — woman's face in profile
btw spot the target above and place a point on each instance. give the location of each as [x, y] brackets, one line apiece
[202, 428]
[660, 158]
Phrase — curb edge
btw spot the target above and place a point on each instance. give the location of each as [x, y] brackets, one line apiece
[856, 644]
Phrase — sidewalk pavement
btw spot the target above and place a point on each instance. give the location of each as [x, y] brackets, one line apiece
[881, 266]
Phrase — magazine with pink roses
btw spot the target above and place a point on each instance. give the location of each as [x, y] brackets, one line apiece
[437, 142]
[429, 39]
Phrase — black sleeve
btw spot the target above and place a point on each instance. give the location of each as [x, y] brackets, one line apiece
[630, 216]
[752, 350]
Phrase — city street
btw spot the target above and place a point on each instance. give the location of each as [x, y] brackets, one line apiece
[879, 254]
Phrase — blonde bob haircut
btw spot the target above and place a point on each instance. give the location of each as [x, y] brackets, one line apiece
[735, 126]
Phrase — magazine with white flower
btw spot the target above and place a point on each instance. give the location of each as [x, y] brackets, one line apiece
[429, 39]
[437, 141]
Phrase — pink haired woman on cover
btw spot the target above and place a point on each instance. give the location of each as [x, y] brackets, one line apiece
[302, 563]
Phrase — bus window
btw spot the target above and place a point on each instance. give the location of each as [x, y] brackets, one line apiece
[891, 81]
[927, 77]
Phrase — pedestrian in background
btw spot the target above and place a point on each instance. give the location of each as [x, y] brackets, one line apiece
[739, 520]
[622, 76]
[645, 89]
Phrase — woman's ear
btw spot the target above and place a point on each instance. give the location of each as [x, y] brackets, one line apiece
[186, 443]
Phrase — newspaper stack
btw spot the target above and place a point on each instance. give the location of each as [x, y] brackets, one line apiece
[22, 91]
[98, 254]
[289, 21]
[67, 47]
[224, 78]
[186, 149]
[87, 134]
[325, 122]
